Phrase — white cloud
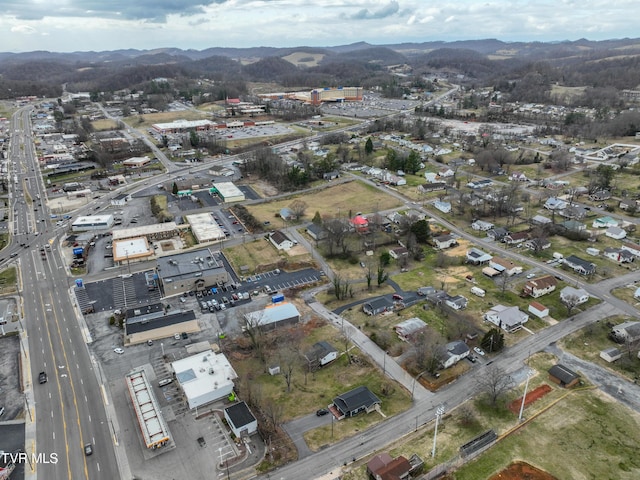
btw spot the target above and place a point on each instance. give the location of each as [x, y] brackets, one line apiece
[146, 24]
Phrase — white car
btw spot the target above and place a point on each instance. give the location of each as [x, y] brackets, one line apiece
[119, 350]
[479, 351]
[531, 275]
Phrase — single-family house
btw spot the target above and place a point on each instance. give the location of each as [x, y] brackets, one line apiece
[577, 296]
[383, 467]
[631, 247]
[626, 332]
[574, 225]
[360, 224]
[618, 255]
[288, 214]
[482, 226]
[457, 302]
[431, 177]
[538, 287]
[518, 177]
[616, 233]
[605, 222]
[426, 291]
[579, 265]
[498, 233]
[445, 241]
[537, 244]
[505, 266]
[280, 240]
[397, 180]
[410, 329]
[538, 309]
[446, 172]
[575, 212]
[600, 195]
[395, 217]
[332, 175]
[317, 232]
[398, 252]
[454, 352]
[515, 238]
[320, 354]
[610, 354]
[509, 319]
[540, 220]
[554, 203]
[444, 207]
[477, 184]
[627, 203]
[432, 187]
[477, 256]
[377, 306]
[563, 376]
[351, 403]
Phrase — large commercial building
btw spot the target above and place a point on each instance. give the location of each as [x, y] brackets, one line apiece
[205, 377]
[155, 433]
[131, 250]
[150, 323]
[92, 222]
[204, 227]
[179, 126]
[156, 231]
[188, 271]
[318, 96]
[228, 192]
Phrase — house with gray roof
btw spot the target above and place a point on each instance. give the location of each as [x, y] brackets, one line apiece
[351, 403]
[377, 306]
[454, 352]
[509, 319]
[477, 256]
[579, 265]
[410, 328]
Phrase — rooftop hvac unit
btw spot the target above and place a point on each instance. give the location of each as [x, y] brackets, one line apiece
[211, 371]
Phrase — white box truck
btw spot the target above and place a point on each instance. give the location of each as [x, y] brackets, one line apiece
[478, 291]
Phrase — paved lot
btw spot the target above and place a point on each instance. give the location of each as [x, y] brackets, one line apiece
[10, 391]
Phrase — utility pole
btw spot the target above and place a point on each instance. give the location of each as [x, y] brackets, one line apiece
[524, 397]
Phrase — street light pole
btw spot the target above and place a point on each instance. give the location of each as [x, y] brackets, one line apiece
[524, 397]
[439, 413]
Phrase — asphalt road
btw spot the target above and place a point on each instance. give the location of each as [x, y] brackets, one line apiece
[69, 407]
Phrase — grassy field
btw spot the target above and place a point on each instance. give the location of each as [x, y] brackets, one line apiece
[166, 117]
[8, 278]
[588, 342]
[260, 255]
[337, 200]
[104, 125]
[626, 293]
[580, 434]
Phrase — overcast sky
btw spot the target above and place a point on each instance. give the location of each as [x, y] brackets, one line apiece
[82, 25]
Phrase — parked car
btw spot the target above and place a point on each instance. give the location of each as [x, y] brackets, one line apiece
[119, 350]
[321, 412]
[176, 336]
[397, 297]
[164, 382]
[479, 351]
[185, 335]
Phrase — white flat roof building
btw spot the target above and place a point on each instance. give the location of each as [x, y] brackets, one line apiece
[152, 425]
[156, 230]
[92, 222]
[183, 125]
[229, 192]
[204, 377]
[132, 249]
[204, 227]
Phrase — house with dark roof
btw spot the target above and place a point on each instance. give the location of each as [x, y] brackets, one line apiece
[537, 244]
[351, 403]
[432, 187]
[574, 225]
[240, 420]
[618, 255]
[631, 247]
[377, 306]
[538, 287]
[317, 232]
[457, 302]
[579, 265]
[498, 233]
[445, 241]
[280, 240]
[515, 238]
[477, 256]
[320, 354]
[563, 376]
[454, 352]
[398, 252]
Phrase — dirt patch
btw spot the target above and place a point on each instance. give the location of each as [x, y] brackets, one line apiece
[460, 250]
[532, 396]
[522, 471]
[453, 274]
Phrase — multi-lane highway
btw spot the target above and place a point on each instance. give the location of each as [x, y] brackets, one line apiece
[69, 408]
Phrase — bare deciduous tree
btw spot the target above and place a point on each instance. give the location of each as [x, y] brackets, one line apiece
[494, 382]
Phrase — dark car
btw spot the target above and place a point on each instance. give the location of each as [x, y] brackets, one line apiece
[184, 335]
[321, 412]
[88, 449]
[42, 377]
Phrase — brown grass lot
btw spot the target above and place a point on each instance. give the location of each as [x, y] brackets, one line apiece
[104, 125]
[337, 200]
[166, 117]
[260, 255]
[626, 293]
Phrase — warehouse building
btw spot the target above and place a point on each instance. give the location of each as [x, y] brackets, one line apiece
[204, 377]
[92, 223]
[228, 192]
[273, 316]
[204, 227]
[190, 271]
